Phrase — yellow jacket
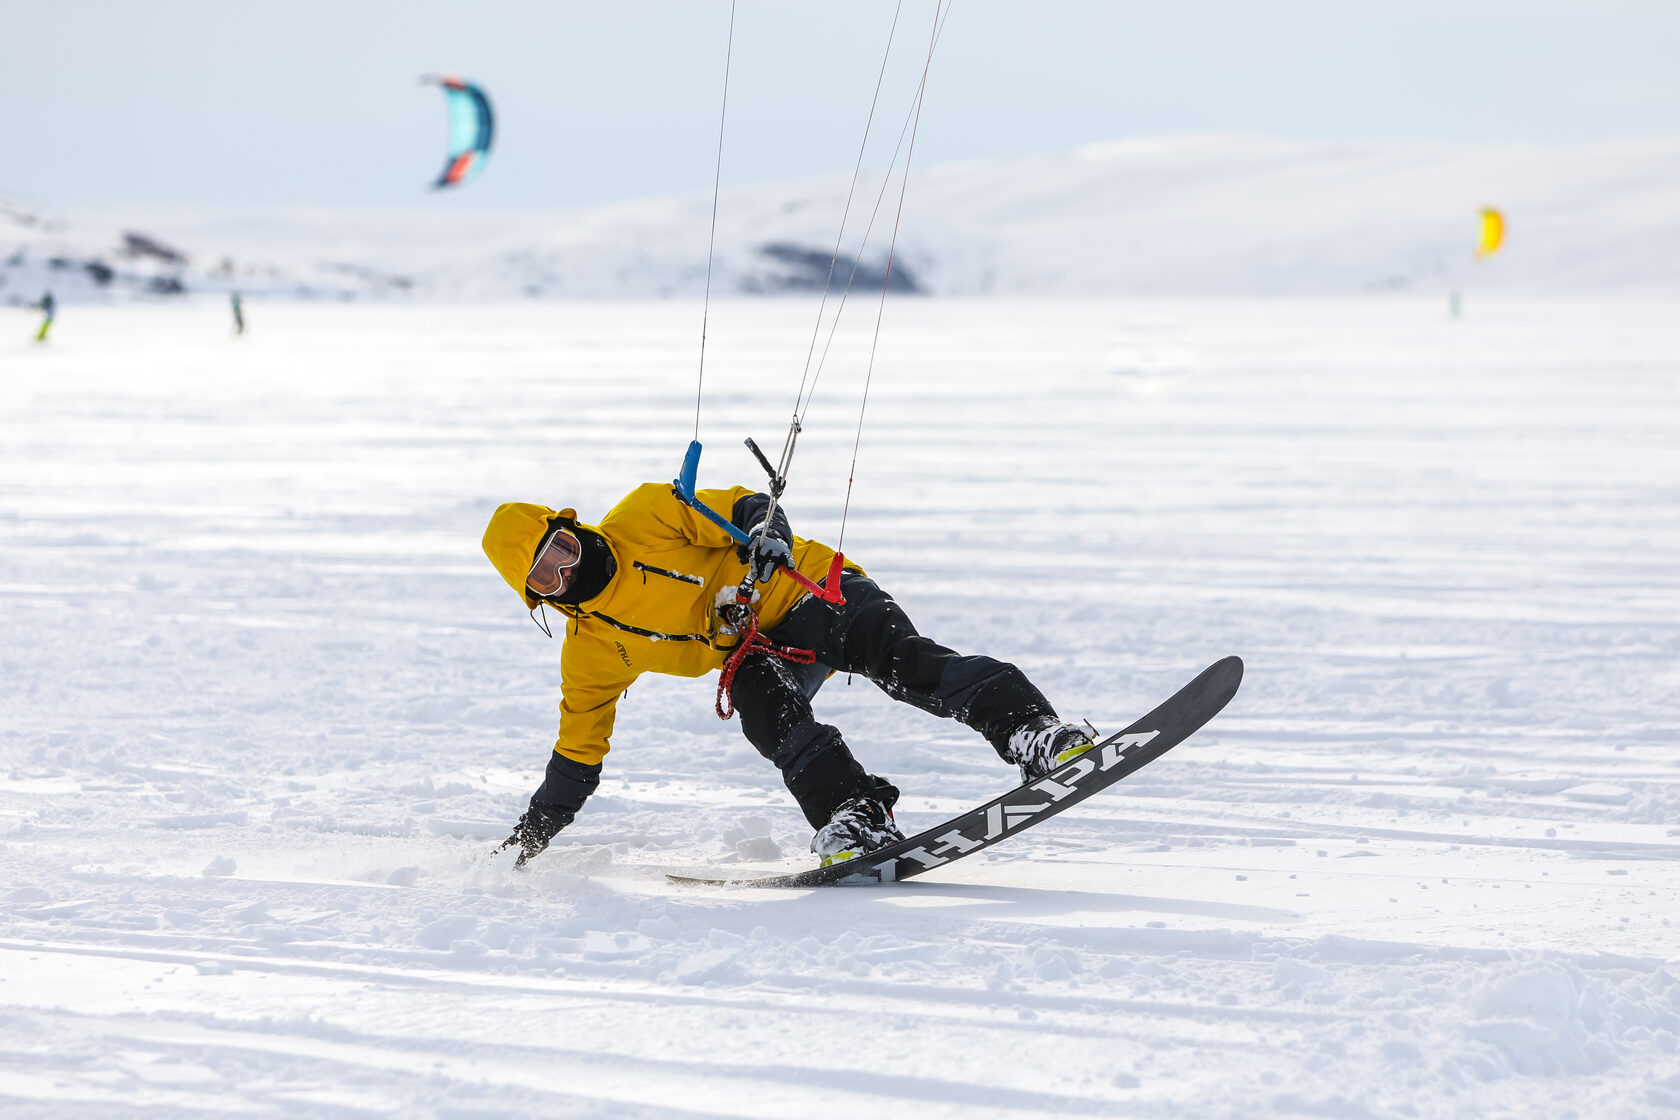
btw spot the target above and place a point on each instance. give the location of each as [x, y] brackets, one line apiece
[658, 614]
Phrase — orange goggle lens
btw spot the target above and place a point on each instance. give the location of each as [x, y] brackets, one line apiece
[559, 554]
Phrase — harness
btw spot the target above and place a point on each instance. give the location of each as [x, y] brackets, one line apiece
[752, 641]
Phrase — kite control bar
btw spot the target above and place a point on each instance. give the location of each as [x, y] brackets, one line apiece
[684, 485]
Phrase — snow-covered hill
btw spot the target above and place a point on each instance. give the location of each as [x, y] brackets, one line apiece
[108, 257]
[1191, 215]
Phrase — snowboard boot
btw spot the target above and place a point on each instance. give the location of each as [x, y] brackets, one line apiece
[1045, 744]
[858, 826]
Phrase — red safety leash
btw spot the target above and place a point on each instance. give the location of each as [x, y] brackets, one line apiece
[753, 642]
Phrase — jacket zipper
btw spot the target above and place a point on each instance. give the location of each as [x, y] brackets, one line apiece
[655, 635]
[667, 573]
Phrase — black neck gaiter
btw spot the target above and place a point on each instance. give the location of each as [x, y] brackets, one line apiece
[593, 572]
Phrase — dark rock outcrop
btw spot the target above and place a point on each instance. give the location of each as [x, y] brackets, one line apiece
[139, 245]
[806, 269]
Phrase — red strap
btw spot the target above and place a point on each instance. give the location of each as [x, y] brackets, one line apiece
[752, 642]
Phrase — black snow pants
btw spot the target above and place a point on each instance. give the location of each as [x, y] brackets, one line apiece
[872, 637]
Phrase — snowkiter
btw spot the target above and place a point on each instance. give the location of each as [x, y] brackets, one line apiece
[48, 307]
[642, 592]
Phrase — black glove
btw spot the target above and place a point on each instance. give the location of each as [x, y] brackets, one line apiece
[535, 829]
[566, 786]
[766, 555]
[748, 516]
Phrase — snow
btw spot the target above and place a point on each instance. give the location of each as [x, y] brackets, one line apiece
[1212, 215]
[265, 708]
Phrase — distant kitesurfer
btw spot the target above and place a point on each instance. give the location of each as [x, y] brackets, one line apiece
[642, 592]
[48, 307]
[238, 314]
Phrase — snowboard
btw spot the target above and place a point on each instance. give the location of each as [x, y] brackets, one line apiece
[1115, 757]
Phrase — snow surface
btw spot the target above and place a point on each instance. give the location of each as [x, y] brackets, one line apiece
[264, 709]
[1166, 215]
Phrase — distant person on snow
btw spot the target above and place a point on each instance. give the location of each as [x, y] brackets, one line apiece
[48, 306]
[238, 314]
[642, 592]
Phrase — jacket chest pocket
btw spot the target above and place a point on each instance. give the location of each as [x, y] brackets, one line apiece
[666, 573]
[716, 634]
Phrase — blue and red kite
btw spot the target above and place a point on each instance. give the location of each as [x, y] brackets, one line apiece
[471, 124]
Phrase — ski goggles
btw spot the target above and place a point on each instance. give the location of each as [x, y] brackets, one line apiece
[556, 558]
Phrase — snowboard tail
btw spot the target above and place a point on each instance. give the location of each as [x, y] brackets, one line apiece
[1114, 758]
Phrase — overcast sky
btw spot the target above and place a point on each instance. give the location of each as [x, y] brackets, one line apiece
[252, 104]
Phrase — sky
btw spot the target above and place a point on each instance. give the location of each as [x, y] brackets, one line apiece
[310, 103]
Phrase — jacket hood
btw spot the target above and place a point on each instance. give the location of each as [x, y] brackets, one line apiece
[512, 537]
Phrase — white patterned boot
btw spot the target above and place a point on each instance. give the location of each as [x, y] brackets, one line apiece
[1045, 744]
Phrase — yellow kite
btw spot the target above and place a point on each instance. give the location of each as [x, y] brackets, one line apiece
[1493, 232]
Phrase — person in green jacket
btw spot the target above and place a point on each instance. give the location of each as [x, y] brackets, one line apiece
[49, 307]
